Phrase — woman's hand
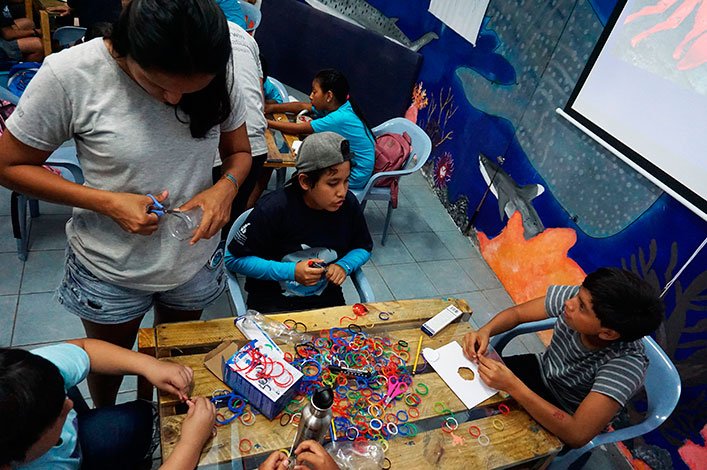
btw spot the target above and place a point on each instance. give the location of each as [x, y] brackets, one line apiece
[198, 426]
[171, 378]
[311, 455]
[215, 204]
[475, 344]
[130, 212]
[308, 275]
[335, 274]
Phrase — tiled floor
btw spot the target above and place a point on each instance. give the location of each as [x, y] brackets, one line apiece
[425, 256]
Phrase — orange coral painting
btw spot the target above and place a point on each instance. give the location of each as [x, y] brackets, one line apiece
[527, 267]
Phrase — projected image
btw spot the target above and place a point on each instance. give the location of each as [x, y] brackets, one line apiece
[668, 38]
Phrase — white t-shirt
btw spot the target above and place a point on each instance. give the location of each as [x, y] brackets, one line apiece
[248, 73]
[127, 141]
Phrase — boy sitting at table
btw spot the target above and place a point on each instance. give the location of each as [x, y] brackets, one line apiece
[44, 428]
[595, 361]
[301, 242]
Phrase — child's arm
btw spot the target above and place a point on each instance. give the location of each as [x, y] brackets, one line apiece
[593, 414]
[196, 430]
[347, 264]
[293, 128]
[476, 342]
[291, 107]
[107, 358]
[259, 268]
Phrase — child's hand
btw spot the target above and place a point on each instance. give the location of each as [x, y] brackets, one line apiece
[199, 423]
[170, 377]
[495, 374]
[336, 274]
[308, 275]
[275, 461]
[475, 344]
[314, 456]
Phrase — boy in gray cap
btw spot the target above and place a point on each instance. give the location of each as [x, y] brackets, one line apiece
[301, 242]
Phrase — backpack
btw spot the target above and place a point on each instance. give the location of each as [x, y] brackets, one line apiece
[19, 76]
[392, 151]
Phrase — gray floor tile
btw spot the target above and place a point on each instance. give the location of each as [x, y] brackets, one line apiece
[407, 219]
[375, 219]
[8, 243]
[5, 201]
[8, 305]
[480, 272]
[482, 310]
[350, 293]
[499, 298]
[425, 246]
[421, 196]
[44, 270]
[48, 232]
[12, 273]
[437, 219]
[40, 319]
[378, 285]
[394, 251]
[415, 179]
[407, 281]
[447, 277]
[457, 243]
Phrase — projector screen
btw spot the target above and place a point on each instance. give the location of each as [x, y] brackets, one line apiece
[644, 92]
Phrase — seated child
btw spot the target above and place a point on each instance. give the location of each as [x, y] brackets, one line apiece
[43, 430]
[595, 361]
[18, 40]
[333, 110]
[300, 242]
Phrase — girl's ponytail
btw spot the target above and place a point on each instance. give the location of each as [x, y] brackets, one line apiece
[335, 81]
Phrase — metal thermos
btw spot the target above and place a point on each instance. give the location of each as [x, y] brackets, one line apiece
[316, 417]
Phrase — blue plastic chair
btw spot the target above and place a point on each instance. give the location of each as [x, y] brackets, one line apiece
[363, 287]
[421, 148]
[280, 89]
[251, 14]
[662, 386]
[65, 160]
[68, 36]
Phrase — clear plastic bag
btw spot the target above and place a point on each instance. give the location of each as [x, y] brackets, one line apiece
[356, 455]
[279, 332]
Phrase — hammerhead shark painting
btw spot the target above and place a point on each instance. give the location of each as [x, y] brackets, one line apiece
[363, 14]
[512, 197]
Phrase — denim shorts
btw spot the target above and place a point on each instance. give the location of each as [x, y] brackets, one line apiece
[99, 301]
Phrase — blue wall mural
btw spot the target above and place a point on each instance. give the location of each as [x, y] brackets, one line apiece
[498, 99]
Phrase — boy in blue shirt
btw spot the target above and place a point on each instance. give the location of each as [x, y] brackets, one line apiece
[595, 361]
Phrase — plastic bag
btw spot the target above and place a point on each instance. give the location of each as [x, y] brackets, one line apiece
[356, 455]
[279, 332]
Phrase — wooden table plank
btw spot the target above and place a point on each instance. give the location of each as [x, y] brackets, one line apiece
[277, 159]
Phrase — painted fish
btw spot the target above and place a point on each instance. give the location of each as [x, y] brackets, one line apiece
[363, 14]
[512, 197]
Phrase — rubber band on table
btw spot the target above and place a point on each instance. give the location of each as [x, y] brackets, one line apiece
[376, 424]
[413, 413]
[446, 427]
[377, 408]
[498, 424]
[504, 409]
[484, 440]
[221, 420]
[394, 429]
[475, 431]
[354, 328]
[385, 316]
[424, 387]
[304, 327]
[349, 436]
[296, 419]
[289, 418]
[405, 414]
[294, 323]
[245, 448]
[416, 400]
[386, 464]
[250, 421]
[288, 381]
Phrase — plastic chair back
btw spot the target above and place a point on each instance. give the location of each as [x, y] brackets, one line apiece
[67, 36]
[280, 89]
[252, 16]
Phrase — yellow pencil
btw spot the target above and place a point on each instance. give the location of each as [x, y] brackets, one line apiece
[417, 356]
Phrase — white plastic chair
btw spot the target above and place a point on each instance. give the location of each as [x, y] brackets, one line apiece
[363, 287]
[662, 386]
[421, 148]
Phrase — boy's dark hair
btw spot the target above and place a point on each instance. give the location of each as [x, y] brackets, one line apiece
[99, 29]
[181, 37]
[31, 399]
[336, 82]
[624, 302]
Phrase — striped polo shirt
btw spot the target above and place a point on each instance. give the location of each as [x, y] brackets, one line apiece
[571, 370]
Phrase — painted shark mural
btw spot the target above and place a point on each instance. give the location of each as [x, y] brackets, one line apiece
[361, 13]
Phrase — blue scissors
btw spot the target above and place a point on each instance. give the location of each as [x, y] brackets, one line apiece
[157, 207]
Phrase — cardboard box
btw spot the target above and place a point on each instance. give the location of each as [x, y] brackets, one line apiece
[226, 362]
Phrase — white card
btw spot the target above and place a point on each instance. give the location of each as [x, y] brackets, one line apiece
[447, 361]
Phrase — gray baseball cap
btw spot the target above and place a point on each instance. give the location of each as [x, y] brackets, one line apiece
[322, 150]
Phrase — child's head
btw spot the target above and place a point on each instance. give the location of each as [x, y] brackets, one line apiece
[329, 89]
[323, 169]
[615, 304]
[178, 52]
[33, 405]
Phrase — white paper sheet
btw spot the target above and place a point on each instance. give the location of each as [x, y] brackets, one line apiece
[463, 16]
[446, 361]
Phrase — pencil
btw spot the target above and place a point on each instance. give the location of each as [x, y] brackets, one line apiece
[333, 430]
[417, 355]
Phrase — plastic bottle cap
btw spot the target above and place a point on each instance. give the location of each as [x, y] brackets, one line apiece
[323, 398]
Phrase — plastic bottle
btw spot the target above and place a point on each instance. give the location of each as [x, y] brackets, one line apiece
[182, 225]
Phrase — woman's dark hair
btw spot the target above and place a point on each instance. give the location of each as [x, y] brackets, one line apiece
[264, 66]
[31, 399]
[181, 37]
[335, 81]
[624, 302]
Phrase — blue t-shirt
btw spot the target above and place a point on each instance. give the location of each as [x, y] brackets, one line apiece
[344, 122]
[271, 92]
[74, 365]
[233, 11]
